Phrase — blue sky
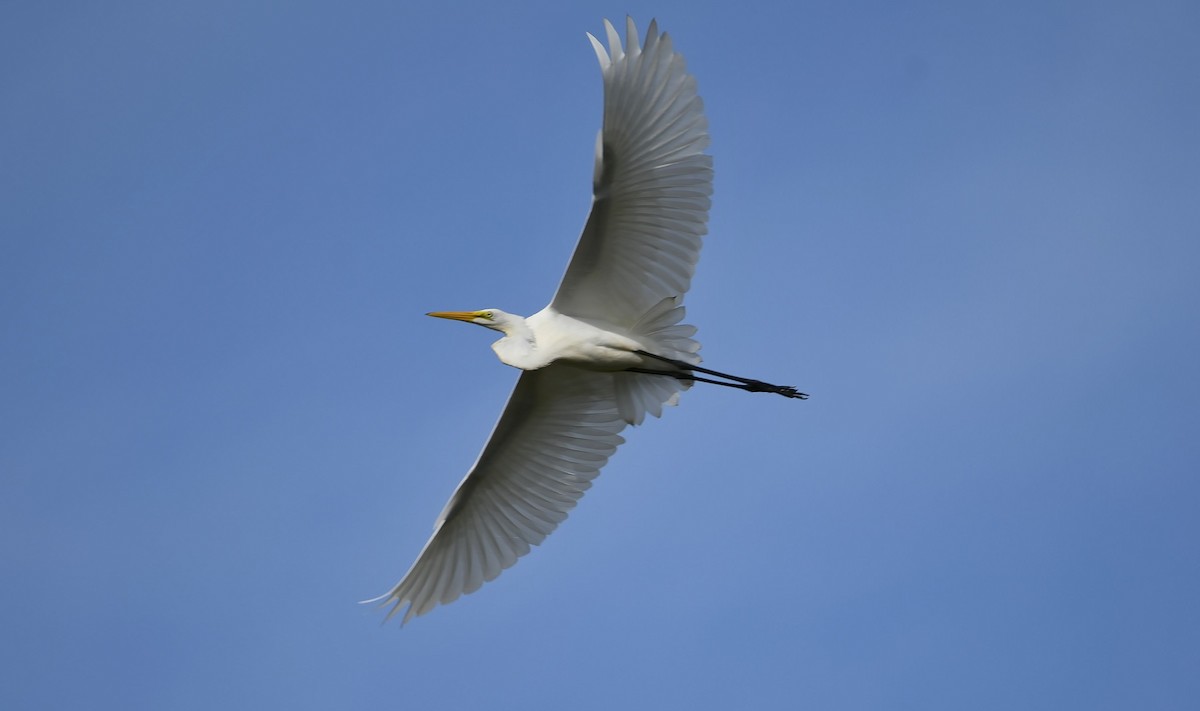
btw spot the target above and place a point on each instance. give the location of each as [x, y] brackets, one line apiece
[970, 230]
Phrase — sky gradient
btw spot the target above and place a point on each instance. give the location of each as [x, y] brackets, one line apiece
[972, 234]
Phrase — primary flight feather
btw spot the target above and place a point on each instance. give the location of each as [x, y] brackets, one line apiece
[608, 349]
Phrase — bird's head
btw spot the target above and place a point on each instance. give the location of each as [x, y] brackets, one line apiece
[494, 319]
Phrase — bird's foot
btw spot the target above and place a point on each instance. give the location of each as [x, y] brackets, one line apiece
[758, 386]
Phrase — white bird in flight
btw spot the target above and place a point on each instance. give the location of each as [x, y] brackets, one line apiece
[610, 346]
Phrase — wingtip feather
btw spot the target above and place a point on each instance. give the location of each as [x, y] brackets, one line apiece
[614, 42]
[632, 48]
[601, 53]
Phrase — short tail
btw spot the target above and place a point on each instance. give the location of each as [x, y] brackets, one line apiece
[663, 334]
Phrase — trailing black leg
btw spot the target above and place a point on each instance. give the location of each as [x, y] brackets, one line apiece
[693, 378]
[747, 384]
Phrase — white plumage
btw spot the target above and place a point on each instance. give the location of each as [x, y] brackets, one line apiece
[610, 346]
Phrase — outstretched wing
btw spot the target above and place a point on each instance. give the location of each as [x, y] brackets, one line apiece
[651, 186]
[559, 428]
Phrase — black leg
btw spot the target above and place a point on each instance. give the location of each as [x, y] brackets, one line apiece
[747, 384]
[690, 378]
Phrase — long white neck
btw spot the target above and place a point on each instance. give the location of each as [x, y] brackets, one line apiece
[518, 348]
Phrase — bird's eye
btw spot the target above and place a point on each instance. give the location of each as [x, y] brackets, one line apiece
[488, 315]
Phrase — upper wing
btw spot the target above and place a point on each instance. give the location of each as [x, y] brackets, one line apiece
[559, 428]
[651, 186]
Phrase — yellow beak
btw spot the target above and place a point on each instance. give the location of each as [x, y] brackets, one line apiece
[455, 315]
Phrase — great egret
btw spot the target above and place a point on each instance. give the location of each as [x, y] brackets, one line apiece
[610, 346]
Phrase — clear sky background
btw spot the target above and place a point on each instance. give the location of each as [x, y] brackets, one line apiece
[970, 230]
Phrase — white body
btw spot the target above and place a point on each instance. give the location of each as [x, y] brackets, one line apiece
[550, 337]
[565, 339]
